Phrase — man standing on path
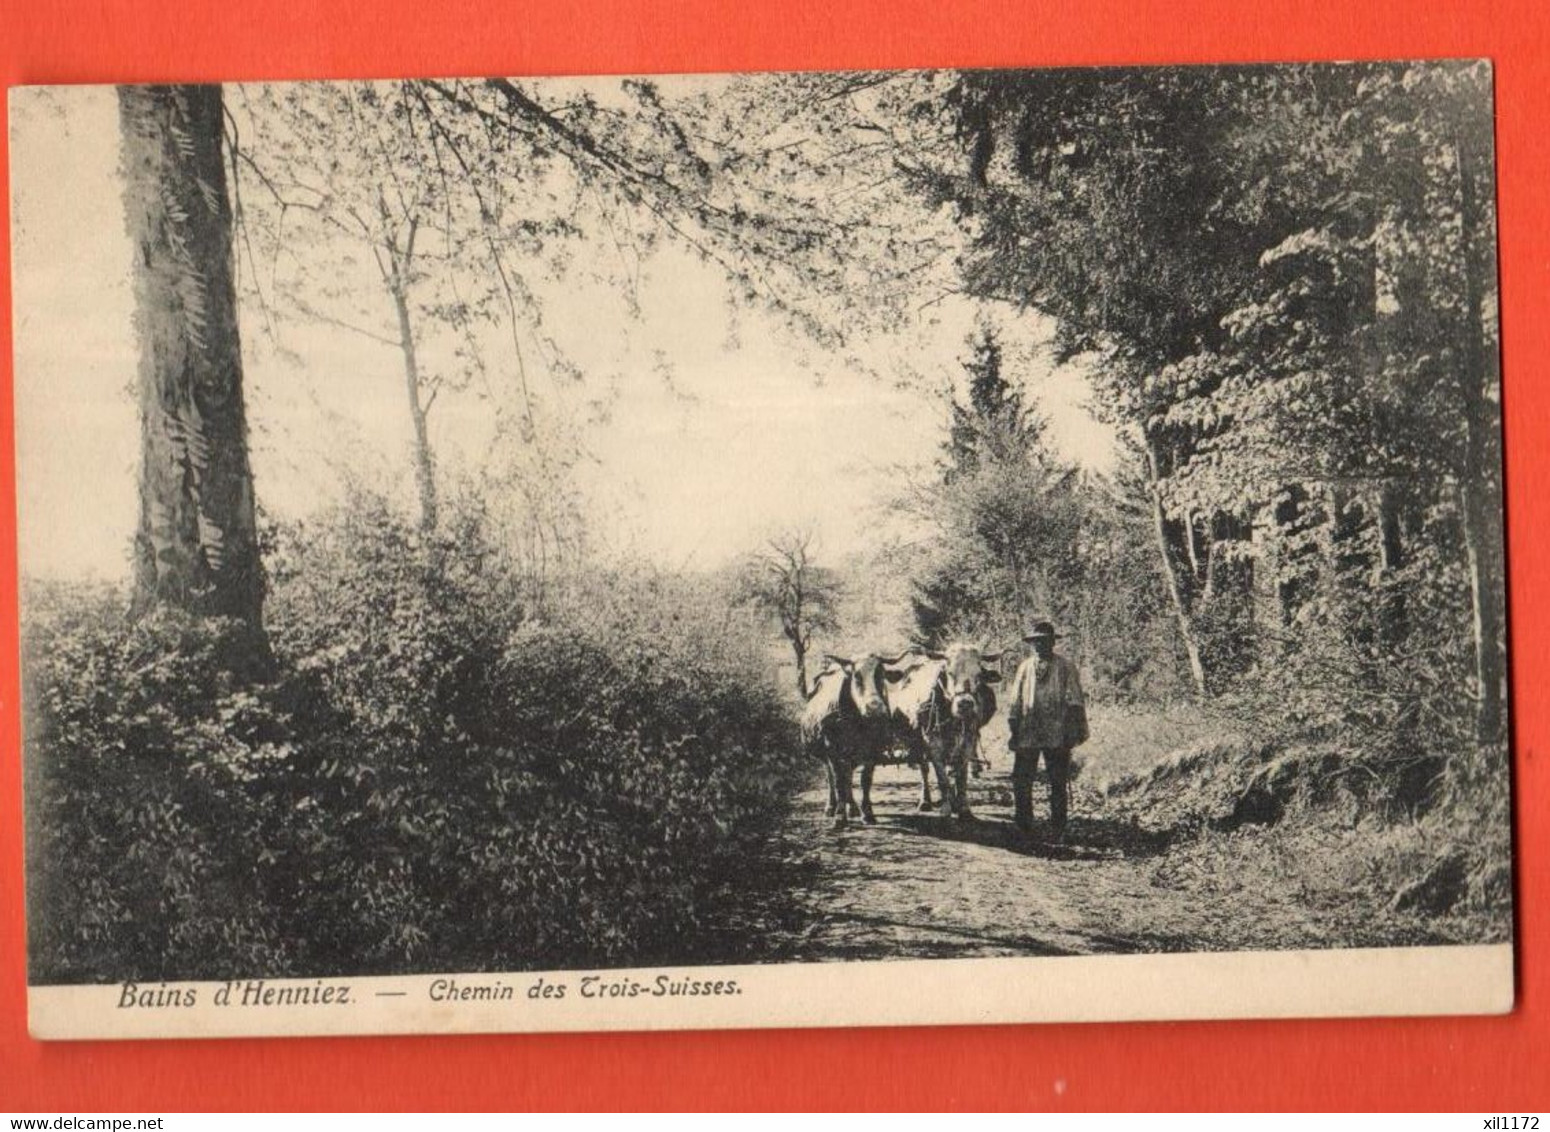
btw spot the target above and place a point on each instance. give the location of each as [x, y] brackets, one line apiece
[1048, 717]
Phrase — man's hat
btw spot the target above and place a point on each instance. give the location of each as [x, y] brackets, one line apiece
[1041, 629]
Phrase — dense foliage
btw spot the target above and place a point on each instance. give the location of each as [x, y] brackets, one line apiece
[1023, 534]
[436, 779]
[1284, 280]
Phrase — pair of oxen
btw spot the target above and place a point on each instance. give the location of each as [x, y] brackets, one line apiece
[920, 707]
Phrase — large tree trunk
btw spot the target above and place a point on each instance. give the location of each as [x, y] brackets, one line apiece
[1481, 503]
[196, 547]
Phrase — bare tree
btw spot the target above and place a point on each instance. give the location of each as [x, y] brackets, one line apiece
[349, 173]
[783, 581]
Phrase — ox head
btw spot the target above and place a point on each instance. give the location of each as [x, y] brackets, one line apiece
[967, 676]
[864, 685]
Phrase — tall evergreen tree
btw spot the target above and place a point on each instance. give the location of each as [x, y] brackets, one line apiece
[1002, 503]
[993, 424]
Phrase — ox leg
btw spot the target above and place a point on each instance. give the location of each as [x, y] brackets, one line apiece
[867, 816]
[961, 785]
[949, 803]
[844, 802]
[834, 793]
[925, 786]
[851, 808]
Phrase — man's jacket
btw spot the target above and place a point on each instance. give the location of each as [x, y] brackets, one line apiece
[1047, 709]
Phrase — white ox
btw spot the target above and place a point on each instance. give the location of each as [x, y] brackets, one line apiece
[937, 703]
[846, 723]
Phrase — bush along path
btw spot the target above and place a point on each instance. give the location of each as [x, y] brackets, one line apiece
[430, 781]
[1291, 875]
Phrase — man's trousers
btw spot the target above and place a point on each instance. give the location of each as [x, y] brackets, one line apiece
[1057, 763]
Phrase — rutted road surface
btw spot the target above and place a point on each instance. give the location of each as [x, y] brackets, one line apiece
[919, 885]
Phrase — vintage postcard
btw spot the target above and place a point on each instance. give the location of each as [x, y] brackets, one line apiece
[761, 550]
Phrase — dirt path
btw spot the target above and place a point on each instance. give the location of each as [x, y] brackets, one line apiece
[923, 886]
[917, 885]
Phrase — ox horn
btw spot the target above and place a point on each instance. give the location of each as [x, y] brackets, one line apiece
[839, 660]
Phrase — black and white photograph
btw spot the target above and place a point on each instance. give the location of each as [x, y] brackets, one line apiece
[832, 548]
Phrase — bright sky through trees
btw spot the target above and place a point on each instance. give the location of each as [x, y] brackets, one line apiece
[706, 431]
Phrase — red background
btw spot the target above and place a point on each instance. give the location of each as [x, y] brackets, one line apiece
[1491, 1064]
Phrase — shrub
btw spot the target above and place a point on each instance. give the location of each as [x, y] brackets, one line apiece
[148, 781]
[433, 779]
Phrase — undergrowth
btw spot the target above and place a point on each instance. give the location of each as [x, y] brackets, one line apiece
[436, 777]
[1346, 848]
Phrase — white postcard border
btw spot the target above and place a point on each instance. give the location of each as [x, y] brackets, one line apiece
[1472, 979]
